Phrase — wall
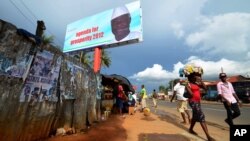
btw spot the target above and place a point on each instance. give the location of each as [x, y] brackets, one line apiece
[41, 89]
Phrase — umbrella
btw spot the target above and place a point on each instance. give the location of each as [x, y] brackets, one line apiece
[110, 79]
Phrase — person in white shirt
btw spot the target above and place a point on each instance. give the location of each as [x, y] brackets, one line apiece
[229, 98]
[155, 96]
[182, 107]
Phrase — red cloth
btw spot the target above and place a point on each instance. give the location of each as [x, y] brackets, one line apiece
[120, 91]
[196, 92]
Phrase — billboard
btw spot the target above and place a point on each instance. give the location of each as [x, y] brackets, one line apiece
[114, 26]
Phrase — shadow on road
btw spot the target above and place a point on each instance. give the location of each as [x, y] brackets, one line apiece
[173, 119]
[162, 137]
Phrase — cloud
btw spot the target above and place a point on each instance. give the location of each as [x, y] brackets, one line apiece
[227, 36]
[178, 31]
[174, 10]
[213, 68]
[153, 74]
[157, 75]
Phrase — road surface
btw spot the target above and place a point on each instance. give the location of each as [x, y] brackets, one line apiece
[214, 112]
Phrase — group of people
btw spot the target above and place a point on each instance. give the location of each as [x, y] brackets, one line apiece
[128, 99]
[192, 86]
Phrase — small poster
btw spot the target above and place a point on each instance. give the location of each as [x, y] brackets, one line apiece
[74, 73]
[18, 67]
[42, 79]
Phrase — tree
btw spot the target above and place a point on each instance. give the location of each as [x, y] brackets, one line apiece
[170, 85]
[105, 59]
[162, 88]
[48, 39]
[85, 58]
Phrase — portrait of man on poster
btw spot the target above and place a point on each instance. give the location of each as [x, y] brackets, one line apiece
[120, 25]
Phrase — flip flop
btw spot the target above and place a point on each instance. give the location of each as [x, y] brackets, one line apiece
[192, 132]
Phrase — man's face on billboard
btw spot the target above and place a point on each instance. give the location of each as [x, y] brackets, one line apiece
[120, 26]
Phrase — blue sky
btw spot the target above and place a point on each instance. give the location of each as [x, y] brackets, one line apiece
[210, 33]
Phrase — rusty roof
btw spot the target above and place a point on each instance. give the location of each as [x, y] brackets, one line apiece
[232, 79]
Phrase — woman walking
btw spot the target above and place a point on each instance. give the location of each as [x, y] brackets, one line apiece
[193, 88]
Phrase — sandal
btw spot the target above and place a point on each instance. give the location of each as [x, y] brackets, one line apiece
[211, 139]
[192, 132]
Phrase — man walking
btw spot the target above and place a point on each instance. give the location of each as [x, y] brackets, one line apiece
[144, 96]
[229, 98]
[179, 90]
[155, 96]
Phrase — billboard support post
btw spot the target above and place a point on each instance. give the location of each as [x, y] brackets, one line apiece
[97, 59]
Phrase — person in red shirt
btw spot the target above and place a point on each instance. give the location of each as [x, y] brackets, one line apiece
[193, 88]
[120, 99]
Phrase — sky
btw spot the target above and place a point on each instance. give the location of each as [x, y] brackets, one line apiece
[210, 33]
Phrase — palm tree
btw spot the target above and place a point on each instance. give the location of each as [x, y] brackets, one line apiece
[85, 58]
[105, 59]
[48, 39]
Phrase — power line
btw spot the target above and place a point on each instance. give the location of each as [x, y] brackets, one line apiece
[34, 16]
[20, 11]
[28, 9]
[32, 13]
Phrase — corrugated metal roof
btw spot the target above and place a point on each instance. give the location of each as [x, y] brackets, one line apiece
[232, 79]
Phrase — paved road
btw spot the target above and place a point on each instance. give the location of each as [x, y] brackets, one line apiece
[215, 112]
[168, 109]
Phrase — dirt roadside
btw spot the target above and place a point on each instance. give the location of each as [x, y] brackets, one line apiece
[131, 128]
[159, 126]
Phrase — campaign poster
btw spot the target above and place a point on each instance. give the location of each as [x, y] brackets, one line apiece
[105, 29]
[17, 67]
[69, 86]
[42, 78]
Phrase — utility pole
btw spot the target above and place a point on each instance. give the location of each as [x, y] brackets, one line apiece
[221, 69]
[97, 60]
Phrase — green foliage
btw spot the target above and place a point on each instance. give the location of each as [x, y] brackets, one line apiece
[105, 58]
[48, 39]
[88, 59]
[162, 89]
[83, 57]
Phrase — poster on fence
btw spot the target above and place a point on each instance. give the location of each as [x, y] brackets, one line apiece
[42, 79]
[17, 67]
[99, 87]
[69, 86]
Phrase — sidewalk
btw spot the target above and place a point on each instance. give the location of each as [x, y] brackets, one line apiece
[220, 133]
[159, 126]
[131, 128]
